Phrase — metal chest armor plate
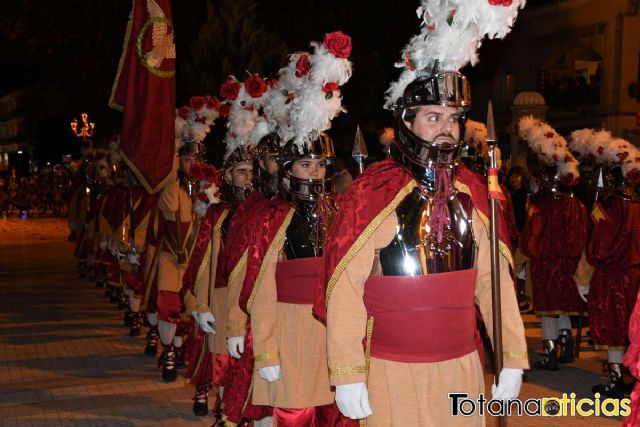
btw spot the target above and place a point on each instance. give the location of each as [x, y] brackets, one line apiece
[415, 250]
[307, 232]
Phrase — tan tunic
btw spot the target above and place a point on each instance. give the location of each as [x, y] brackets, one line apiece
[288, 335]
[210, 298]
[415, 394]
[170, 272]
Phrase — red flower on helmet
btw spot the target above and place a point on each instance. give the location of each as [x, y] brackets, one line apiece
[255, 86]
[330, 87]
[303, 66]
[506, 3]
[338, 44]
[622, 156]
[213, 103]
[633, 177]
[224, 110]
[230, 89]
[197, 102]
[600, 150]
[549, 135]
[183, 112]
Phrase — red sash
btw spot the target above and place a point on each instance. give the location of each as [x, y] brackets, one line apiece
[422, 319]
[296, 280]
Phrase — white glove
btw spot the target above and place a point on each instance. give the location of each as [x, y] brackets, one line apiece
[235, 346]
[508, 385]
[133, 258]
[522, 274]
[583, 291]
[270, 373]
[206, 322]
[353, 400]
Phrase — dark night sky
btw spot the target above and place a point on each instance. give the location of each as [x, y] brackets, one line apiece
[66, 53]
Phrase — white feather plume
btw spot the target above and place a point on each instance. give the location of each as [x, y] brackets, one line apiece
[550, 147]
[475, 135]
[451, 33]
[313, 109]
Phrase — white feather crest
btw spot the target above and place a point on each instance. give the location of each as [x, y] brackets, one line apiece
[243, 115]
[451, 33]
[314, 107]
[550, 147]
[327, 68]
[475, 135]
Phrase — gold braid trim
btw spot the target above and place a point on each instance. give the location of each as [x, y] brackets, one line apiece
[265, 356]
[334, 372]
[367, 350]
[239, 266]
[504, 249]
[202, 268]
[610, 347]
[515, 355]
[207, 255]
[556, 312]
[272, 248]
[368, 232]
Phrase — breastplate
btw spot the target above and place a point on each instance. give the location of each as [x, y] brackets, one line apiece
[415, 249]
[307, 232]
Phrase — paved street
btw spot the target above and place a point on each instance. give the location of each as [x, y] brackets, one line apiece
[66, 359]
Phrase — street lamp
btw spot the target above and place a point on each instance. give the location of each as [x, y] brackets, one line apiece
[86, 131]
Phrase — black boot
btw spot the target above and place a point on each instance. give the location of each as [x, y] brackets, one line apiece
[550, 360]
[123, 300]
[168, 362]
[201, 400]
[108, 289]
[91, 273]
[128, 317]
[151, 348]
[179, 356]
[614, 388]
[565, 346]
[82, 268]
[113, 295]
[136, 325]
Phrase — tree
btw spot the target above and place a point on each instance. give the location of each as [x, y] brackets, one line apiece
[231, 41]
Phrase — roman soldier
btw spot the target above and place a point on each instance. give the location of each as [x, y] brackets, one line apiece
[408, 256]
[209, 360]
[269, 130]
[612, 249]
[178, 232]
[289, 343]
[553, 238]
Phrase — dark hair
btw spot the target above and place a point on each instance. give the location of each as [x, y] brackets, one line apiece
[519, 170]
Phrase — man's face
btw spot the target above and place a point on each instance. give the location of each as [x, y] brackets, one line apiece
[309, 168]
[269, 163]
[186, 162]
[242, 174]
[436, 123]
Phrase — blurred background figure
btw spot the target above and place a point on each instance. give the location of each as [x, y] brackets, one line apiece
[343, 178]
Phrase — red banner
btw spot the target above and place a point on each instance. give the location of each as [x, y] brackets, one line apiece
[145, 91]
[495, 192]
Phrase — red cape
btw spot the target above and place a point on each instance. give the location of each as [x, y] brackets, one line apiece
[215, 213]
[369, 201]
[239, 233]
[271, 221]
